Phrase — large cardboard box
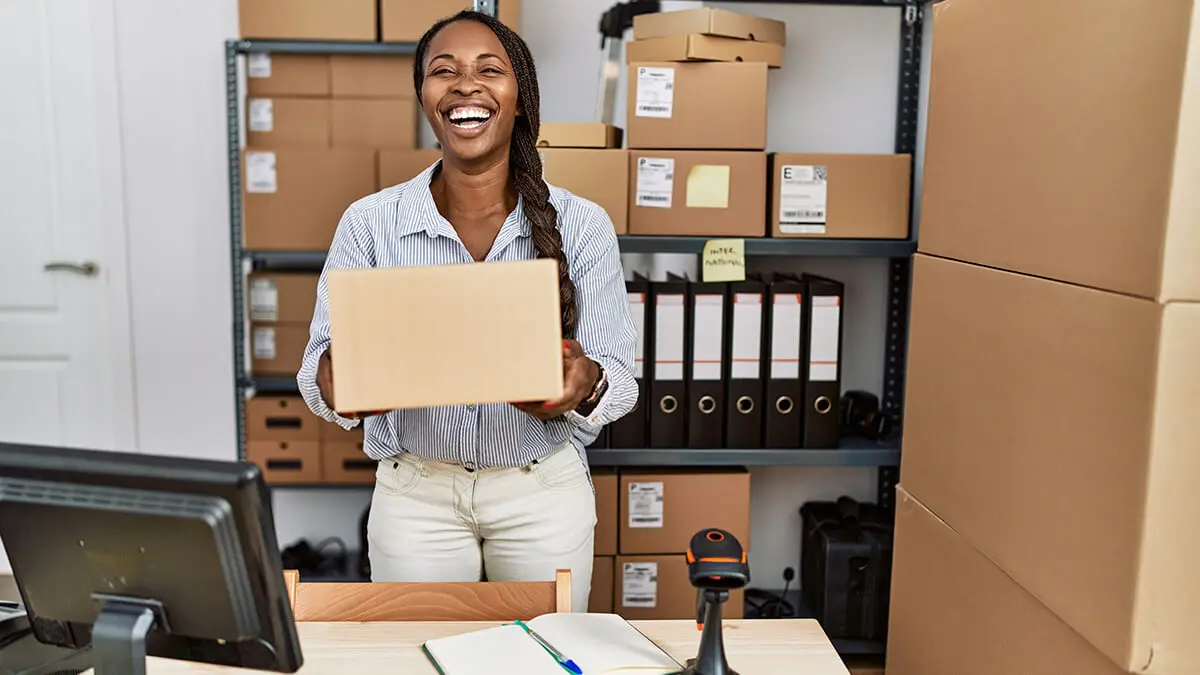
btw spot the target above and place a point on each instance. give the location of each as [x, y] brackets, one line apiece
[269, 74]
[657, 587]
[600, 597]
[380, 362]
[857, 196]
[407, 20]
[953, 612]
[293, 198]
[308, 19]
[281, 297]
[345, 463]
[402, 165]
[282, 418]
[372, 76]
[703, 48]
[698, 105]
[1053, 427]
[662, 509]
[709, 21]
[604, 482]
[1035, 162]
[277, 121]
[698, 192]
[277, 349]
[601, 176]
[286, 461]
[374, 123]
[579, 135]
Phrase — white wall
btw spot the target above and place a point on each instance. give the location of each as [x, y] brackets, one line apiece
[836, 93]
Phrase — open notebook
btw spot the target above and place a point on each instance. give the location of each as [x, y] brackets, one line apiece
[600, 644]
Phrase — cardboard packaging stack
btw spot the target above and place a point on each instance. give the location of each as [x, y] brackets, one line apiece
[697, 122]
[586, 158]
[354, 20]
[1047, 516]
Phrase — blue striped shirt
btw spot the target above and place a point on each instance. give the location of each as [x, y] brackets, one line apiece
[401, 226]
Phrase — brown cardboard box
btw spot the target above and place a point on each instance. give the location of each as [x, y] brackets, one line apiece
[515, 304]
[709, 21]
[857, 196]
[334, 433]
[277, 349]
[293, 198]
[604, 481]
[1087, 183]
[710, 105]
[308, 19]
[372, 76]
[953, 612]
[601, 176]
[703, 48]
[274, 122]
[579, 135]
[283, 418]
[282, 297]
[407, 20]
[1053, 427]
[697, 192]
[657, 587]
[661, 510]
[270, 74]
[374, 123]
[600, 598]
[286, 461]
[345, 463]
[401, 165]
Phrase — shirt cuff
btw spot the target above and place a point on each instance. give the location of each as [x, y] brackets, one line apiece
[592, 420]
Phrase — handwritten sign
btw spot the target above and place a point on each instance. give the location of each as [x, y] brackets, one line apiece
[724, 260]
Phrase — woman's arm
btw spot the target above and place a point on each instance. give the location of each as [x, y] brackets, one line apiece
[352, 247]
[606, 330]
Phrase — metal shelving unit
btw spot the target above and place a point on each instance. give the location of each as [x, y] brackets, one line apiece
[885, 456]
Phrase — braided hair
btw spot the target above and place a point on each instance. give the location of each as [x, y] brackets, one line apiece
[525, 165]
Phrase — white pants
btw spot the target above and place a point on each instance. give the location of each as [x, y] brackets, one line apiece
[432, 521]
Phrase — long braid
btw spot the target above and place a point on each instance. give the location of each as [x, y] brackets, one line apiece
[524, 162]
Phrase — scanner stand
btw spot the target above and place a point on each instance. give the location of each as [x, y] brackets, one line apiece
[711, 658]
[119, 633]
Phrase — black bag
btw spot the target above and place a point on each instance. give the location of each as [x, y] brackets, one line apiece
[846, 567]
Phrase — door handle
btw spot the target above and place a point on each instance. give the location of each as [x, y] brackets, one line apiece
[87, 269]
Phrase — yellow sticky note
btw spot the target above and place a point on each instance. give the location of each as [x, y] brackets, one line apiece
[708, 187]
[724, 260]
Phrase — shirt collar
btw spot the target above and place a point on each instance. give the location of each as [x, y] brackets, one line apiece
[418, 200]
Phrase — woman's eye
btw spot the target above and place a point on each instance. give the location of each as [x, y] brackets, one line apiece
[442, 71]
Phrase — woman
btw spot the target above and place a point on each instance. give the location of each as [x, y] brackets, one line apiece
[500, 490]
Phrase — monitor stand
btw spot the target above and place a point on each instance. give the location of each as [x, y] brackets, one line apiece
[119, 633]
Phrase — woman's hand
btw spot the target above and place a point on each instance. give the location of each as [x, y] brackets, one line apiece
[579, 377]
[325, 384]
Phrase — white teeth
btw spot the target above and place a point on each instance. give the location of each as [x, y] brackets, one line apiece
[469, 113]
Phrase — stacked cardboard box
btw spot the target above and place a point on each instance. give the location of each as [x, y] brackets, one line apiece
[586, 158]
[355, 20]
[697, 122]
[1047, 518]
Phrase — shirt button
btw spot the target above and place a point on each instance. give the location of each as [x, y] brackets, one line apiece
[471, 407]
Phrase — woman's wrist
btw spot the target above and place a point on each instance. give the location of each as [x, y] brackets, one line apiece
[599, 387]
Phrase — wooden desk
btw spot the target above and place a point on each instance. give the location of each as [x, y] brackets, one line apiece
[754, 647]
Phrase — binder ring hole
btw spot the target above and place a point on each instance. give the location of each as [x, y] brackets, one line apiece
[707, 404]
[823, 405]
[668, 404]
[745, 405]
[783, 404]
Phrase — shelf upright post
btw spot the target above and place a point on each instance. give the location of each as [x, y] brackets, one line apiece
[232, 118]
[900, 269]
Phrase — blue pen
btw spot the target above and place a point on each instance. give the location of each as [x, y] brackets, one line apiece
[558, 656]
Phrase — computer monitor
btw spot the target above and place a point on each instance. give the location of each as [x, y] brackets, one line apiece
[142, 555]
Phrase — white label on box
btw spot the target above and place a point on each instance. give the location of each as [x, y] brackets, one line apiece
[708, 338]
[655, 92]
[258, 64]
[646, 504]
[637, 308]
[655, 182]
[260, 172]
[802, 199]
[264, 300]
[639, 584]
[747, 336]
[262, 114]
[668, 337]
[785, 337]
[823, 342]
[264, 343]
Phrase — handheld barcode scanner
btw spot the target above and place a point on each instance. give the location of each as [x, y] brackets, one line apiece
[716, 565]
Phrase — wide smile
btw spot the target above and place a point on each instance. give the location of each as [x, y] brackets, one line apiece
[470, 119]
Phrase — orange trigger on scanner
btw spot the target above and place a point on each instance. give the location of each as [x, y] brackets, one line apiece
[690, 557]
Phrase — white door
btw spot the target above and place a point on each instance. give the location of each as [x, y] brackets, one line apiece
[66, 374]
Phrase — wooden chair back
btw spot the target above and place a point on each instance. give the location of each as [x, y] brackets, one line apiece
[431, 601]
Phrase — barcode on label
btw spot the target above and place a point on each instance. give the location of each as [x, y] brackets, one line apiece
[639, 600]
[795, 214]
[655, 198]
[653, 108]
[636, 520]
[821, 173]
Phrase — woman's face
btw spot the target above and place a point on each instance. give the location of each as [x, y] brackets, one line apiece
[469, 93]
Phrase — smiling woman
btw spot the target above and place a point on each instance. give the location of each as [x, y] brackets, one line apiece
[495, 490]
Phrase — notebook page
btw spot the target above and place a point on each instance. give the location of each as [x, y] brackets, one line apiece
[504, 650]
[604, 644]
